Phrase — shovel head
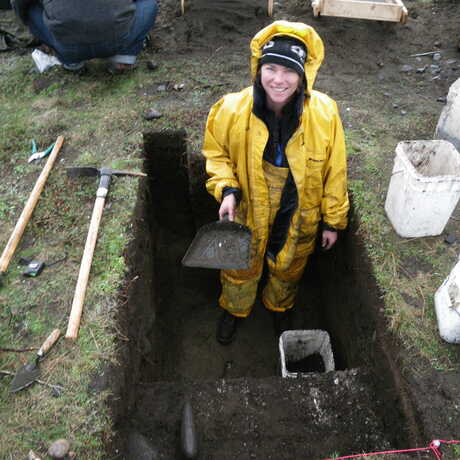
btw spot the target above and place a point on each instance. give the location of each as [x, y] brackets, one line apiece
[25, 377]
[223, 244]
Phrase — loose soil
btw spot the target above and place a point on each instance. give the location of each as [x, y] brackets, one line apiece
[242, 408]
[376, 399]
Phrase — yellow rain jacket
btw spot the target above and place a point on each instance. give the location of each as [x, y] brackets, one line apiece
[234, 144]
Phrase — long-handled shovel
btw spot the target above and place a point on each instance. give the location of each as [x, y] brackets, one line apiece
[31, 371]
[28, 209]
[85, 266]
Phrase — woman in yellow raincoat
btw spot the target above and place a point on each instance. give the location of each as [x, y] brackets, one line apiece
[276, 160]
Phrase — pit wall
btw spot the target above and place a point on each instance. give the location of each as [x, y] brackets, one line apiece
[354, 314]
[133, 322]
[349, 293]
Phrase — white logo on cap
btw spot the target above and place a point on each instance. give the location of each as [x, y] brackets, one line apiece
[269, 44]
[299, 51]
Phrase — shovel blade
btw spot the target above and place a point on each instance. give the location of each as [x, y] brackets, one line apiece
[220, 245]
[25, 377]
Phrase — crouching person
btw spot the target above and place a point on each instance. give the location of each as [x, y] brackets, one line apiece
[80, 30]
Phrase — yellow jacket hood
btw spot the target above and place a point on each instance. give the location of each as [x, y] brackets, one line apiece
[306, 34]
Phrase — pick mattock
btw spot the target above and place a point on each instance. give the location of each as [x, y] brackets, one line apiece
[28, 209]
[85, 266]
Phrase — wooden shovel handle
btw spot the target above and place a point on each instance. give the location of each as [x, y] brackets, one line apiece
[49, 342]
[270, 8]
[29, 208]
[85, 267]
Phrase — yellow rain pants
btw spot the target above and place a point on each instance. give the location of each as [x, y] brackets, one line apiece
[239, 287]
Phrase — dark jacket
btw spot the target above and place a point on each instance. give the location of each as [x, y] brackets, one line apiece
[83, 21]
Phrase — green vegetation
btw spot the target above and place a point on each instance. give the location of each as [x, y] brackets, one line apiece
[407, 271]
[100, 117]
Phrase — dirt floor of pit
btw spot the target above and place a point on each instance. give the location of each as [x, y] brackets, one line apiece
[236, 391]
[178, 355]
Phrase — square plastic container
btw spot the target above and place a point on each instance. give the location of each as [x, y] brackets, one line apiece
[305, 351]
[424, 187]
[447, 306]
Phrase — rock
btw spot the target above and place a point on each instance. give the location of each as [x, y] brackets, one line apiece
[151, 114]
[406, 68]
[162, 87]
[403, 112]
[189, 441]
[395, 105]
[152, 65]
[437, 56]
[421, 69]
[32, 456]
[442, 99]
[59, 448]
[450, 239]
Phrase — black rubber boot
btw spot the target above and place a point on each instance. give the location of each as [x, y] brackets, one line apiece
[281, 321]
[226, 328]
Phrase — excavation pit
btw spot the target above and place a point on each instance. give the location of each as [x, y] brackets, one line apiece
[242, 406]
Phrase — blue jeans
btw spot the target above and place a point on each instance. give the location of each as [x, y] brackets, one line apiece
[124, 50]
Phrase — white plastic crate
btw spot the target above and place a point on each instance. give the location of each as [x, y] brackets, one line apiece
[424, 187]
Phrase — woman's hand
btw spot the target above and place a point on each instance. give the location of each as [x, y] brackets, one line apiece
[228, 207]
[328, 239]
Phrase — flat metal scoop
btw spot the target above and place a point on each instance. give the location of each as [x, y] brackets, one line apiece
[223, 245]
[30, 372]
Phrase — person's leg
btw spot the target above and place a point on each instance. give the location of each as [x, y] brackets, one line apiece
[239, 290]
[280, 292]
[69, 56]
[144, 19]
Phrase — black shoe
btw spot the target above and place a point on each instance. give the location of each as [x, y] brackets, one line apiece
[281, 321]
[226, 328]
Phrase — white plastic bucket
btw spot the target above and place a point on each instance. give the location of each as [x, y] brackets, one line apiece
[424, 187]
[447, 306]
[305, 351]
[449, 120]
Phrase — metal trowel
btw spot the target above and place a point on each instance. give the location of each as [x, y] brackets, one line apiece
[222, 244]
[31, 371]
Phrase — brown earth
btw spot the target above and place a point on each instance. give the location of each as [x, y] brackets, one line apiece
[242, 410]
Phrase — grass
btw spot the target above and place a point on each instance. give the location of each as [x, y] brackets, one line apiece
[101, 119]
[404, 268]
[31, 307]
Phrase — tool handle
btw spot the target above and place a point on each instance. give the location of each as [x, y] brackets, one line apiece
[29, 208]
[48, 343]
[85, 267]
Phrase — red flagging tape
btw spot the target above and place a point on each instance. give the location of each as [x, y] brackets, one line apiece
[434, 447]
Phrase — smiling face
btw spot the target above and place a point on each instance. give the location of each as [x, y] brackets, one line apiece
[280, 84]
